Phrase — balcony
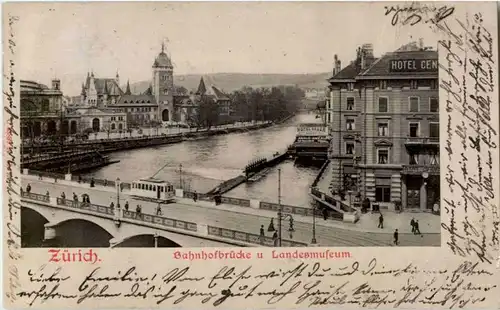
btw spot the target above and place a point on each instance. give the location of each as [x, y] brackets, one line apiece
[420, 169]
[422, 142]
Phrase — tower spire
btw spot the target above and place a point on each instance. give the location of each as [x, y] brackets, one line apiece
[163, 46]
[128, 92]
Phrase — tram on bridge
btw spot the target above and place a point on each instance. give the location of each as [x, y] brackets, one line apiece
[154, 189]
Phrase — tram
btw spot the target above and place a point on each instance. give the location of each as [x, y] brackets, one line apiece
[153, 189]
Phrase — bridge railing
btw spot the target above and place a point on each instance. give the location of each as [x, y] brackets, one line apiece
[249, 238]
[160, 220]
[85, 206]
[34, 196]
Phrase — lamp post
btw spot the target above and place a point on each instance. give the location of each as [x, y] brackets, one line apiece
[117, 191]
[180, 176]
[156, 239]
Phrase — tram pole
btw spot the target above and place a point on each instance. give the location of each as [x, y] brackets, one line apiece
[279, 208]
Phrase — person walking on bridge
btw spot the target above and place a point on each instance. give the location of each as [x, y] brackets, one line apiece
[126, 206]
[28, 188]
[381, 221]
[262, 234]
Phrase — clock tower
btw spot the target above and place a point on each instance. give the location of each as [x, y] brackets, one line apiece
[163, 86]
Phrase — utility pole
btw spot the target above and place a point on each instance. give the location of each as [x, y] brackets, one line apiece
[279, 208]
[180, 176]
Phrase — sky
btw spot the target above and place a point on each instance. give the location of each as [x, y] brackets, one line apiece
[67, 40]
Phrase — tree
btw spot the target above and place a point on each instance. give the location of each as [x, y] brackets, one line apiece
[181, 90]
[207, 115]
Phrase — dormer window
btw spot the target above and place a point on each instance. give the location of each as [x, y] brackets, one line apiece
[165, 91]
[383, 84]
[350, 86]
[414, 84]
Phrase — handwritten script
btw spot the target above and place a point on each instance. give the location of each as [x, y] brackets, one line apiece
[12, 181]
[306, 284]
[470, 202]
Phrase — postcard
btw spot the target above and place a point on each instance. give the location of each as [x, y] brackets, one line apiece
[251, 155]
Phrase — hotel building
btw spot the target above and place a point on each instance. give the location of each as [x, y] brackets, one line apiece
[384, 119]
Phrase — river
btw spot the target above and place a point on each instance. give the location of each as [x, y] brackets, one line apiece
[206, 163]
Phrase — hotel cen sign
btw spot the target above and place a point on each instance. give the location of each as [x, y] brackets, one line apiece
[414, 65]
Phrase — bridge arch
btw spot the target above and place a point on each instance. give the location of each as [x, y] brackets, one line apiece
[147, 240]
[82, 233]
[32, 227]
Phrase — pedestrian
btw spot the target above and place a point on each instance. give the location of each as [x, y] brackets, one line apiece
[63, 196]
[126, 205]
[79, 179]
[271, 225]
[381, 221]
[412, 223]
[262, 234]
[28, 188]
[396, 237]
[158, 210]
[92, 182]
[55, 179]
[47, 194]
[39, 176]
[325, 214]
[275, 238]
[195, 196]
[112, 205]
[417, 229]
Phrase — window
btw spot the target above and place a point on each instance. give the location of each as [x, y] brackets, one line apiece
[414, 132]
[434, 130]
[349, 148]
[413, 159]
[350, 86]
[350, 103]
[414, 103]
[383, 104]
[434, 84]
[165, 91]
[434, 104]
[350, 124]
[383, 193]
[414, 84]
[383, 156]
[383, 129]
[383, 84]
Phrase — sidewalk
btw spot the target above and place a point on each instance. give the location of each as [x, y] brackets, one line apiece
[429, 223]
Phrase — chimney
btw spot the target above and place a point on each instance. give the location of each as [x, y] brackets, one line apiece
[337, 66]
[363, 59]
[335, 59]
[421, 43]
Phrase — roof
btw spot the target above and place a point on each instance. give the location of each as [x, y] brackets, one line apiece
[105, 86]
[153, 180]
[202, 89]
[98, 111]
[348, 73]
[183, 101]
[382, 66]
[162, 60]
[219, 94]
[136, 99]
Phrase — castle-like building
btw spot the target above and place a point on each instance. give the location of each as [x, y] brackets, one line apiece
[158, 103]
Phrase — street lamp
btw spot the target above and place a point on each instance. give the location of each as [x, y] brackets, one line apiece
[180, 176]
[282, 217]
[156, 239]
[117, 192]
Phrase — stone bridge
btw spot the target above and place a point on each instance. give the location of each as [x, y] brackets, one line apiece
[123, 226]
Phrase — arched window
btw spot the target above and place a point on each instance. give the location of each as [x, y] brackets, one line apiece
[113, 126]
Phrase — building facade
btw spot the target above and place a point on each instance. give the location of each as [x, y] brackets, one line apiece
[384, 119]
[42, 110]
